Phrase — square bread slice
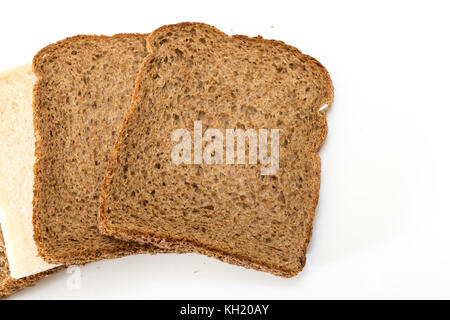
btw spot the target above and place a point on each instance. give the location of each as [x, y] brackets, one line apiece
[16, 172]
[239, 212]
[84, 87]
[19, 264]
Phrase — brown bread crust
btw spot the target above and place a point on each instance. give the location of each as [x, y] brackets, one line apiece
[232, 213]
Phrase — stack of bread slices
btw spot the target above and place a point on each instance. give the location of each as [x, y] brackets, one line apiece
[96, 159]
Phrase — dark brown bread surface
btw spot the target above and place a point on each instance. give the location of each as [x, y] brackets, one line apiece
[9, 285]
[85, 85]
[231, 212]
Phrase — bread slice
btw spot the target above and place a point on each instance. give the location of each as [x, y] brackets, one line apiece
[228, 211]
[16, 172]
[16, 183]
[84, 87]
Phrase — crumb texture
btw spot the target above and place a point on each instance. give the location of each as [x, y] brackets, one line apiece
[231, 212]
[84, 87]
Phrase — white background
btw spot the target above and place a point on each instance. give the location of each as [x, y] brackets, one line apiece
[382, 228]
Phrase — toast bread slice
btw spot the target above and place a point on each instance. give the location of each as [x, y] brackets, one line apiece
[9, 285]
[16, 179]
[84, 87]
[232, 212]
[16, 172]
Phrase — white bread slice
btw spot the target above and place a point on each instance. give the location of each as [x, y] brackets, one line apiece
[16, 172]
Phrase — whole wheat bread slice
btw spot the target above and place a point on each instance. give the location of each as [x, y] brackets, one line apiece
[228, 211]
[84, 87]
